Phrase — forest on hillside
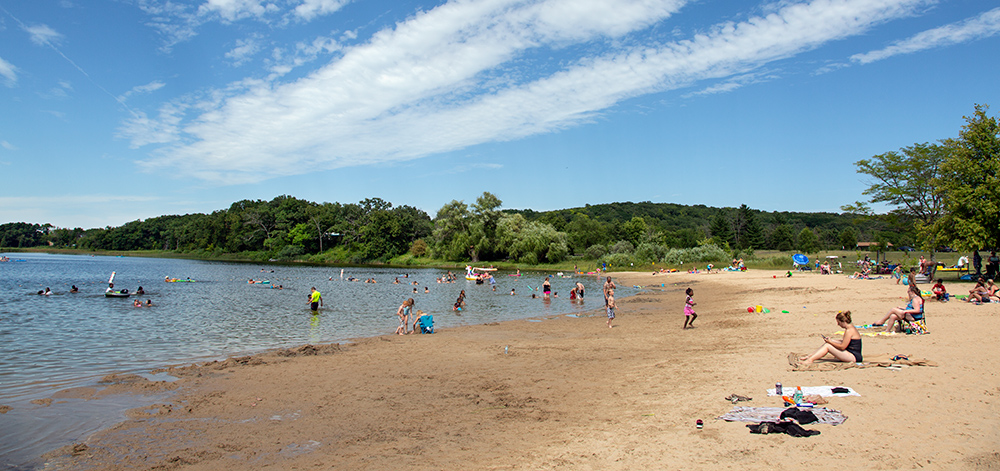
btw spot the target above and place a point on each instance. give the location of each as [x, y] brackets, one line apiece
[376, 231]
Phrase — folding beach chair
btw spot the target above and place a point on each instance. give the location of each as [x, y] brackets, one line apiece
[917, 326]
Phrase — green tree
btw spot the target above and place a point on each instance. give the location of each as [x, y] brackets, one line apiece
[782, 238]
[721, 228]
[634, 230]
[969, 183]
[905, 180]
[808, 243]
[583, 232]
[849, 238]
[749, 233]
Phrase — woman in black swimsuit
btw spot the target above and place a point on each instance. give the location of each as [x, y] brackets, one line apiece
[848, 349]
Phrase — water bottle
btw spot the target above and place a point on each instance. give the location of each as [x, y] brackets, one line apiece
[798, 395]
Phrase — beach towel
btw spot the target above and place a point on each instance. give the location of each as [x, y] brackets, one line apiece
[773, 414]
[882, 360]
[825, 391]
[789, 428]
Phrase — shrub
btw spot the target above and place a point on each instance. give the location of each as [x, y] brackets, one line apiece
[622, 246]
[704, 253]
[618, 260]
[419, 248]
[596, 251]
[649, 252]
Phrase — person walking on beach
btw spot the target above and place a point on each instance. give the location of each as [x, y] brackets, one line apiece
[689, 314]
[315, 299]
[609, 287]
[611, 306]
[404, 316]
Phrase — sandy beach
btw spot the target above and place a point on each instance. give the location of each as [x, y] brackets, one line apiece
[569, 393]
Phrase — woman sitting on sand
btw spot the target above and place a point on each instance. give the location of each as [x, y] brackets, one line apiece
[848, 349]
[915, 307]
[979, 294]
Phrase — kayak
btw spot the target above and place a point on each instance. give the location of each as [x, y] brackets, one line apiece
[116, 294]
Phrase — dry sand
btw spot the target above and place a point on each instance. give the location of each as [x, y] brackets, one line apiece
[570, 393]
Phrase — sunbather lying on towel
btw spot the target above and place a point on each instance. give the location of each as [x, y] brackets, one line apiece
[847, 349]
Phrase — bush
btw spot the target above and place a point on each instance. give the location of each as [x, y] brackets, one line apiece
[622, 246]
[596, 251]
[419, 248]
[558, 250]
[648, 252]
[704, 253]
[289, 252]
[618, 260]
[529, 259]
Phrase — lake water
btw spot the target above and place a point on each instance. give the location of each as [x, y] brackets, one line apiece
[49, 343]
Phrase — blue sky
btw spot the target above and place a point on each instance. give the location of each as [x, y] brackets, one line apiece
[116, 110]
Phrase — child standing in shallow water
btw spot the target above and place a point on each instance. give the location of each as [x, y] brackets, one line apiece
[689, 314]
[611, 306]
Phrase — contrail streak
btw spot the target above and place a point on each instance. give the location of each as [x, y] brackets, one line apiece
[85, 74]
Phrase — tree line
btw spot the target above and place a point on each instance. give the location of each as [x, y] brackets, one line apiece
[376, 231]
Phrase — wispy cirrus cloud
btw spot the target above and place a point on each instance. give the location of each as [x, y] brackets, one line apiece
[43, 35]
[467, 73]
[142, 89]
[983, 26]
[8, 72]
[244, 51]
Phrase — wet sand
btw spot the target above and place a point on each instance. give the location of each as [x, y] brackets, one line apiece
[570, 393]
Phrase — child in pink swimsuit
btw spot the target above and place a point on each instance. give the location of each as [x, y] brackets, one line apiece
[689, 314]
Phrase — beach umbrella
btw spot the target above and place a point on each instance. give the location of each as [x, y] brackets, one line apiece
[800, 259]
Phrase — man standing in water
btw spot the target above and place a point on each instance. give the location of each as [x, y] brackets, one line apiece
[609, 287]
[315, 299]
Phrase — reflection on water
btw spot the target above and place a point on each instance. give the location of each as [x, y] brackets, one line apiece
[72, 339]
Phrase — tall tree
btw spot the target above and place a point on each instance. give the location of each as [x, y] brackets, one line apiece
[905, 180]
[721, 228]
[808, 243]
[970, 185]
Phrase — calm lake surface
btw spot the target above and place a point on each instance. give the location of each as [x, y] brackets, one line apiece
[50, 343]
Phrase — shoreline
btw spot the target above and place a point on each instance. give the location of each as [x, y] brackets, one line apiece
[568, 392]
[75, 397]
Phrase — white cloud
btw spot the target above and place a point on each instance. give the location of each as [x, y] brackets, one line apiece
[232, 10]
[7, 145]
[282, 62]
[8, 72]
[733, 83]
[457, 76]
[310, 9]
[59, 92]
[979, 27]
[244, 50]
[43, 35]
[142, 89]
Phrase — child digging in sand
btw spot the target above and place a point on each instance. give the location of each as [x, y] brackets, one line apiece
[689, 314]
